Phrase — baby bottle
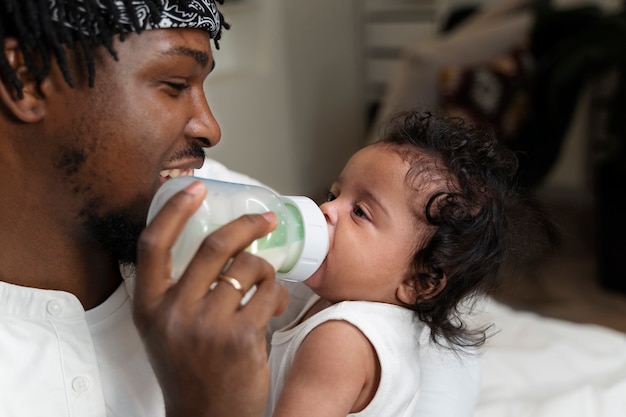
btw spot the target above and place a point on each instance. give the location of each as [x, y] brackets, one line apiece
[296, 247]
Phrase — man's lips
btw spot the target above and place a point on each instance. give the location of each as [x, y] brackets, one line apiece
[181, 168]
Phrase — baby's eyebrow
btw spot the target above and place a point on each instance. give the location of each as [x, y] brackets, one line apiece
[368, 195]
[361, 191]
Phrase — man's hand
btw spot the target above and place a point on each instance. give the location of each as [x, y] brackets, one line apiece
[208, 350]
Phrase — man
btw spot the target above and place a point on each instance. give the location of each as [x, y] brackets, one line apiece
[99, 105]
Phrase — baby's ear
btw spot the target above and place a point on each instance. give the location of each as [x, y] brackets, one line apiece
[413, 290]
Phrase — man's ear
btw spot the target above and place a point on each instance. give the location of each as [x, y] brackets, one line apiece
[30, 106]
[412, 290]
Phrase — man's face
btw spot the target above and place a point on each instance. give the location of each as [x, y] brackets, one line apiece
[145, 118]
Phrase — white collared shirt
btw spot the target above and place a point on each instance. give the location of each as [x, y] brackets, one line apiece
[58, 360]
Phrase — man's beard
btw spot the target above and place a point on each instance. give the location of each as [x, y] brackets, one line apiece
[116, 232]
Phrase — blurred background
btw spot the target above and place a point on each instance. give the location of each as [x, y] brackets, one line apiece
[300, 85]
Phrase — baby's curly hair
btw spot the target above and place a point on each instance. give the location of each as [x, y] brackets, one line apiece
[480, 221]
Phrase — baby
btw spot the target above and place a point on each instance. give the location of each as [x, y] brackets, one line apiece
[420, 223]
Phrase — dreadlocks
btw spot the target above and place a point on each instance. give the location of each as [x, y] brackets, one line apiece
[47, 28]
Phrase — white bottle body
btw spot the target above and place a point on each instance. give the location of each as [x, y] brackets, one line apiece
[295, 248]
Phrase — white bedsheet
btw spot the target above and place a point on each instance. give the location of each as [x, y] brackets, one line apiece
[542, 367]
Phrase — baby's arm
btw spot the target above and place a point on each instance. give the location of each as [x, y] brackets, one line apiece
[335, 372]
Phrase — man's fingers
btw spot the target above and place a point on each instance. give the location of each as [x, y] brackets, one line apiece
[217, 250]
[221, 249]
[270, 299]
[157, 239]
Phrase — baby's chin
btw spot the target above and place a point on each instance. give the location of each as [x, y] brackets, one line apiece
[317, 278]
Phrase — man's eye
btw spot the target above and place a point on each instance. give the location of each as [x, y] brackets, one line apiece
[178, 86]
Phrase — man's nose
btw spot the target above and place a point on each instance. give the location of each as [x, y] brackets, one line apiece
[203, 125]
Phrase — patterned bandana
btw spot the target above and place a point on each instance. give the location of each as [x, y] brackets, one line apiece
[196, 14]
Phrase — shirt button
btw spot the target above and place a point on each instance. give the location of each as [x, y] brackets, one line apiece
[54, 307]
[81, 384]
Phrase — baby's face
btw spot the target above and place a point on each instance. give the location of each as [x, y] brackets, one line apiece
[376, 224]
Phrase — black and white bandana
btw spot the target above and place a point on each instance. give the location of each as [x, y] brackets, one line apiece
[196, 14]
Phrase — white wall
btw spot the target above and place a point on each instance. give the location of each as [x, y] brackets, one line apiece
[287, 91]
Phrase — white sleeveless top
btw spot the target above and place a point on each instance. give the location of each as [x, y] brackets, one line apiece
[396, 336]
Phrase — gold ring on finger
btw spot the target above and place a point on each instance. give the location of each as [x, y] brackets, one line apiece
[234, 282]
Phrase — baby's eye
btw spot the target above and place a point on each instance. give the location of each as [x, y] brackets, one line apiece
[359, 212]
[330, 196]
